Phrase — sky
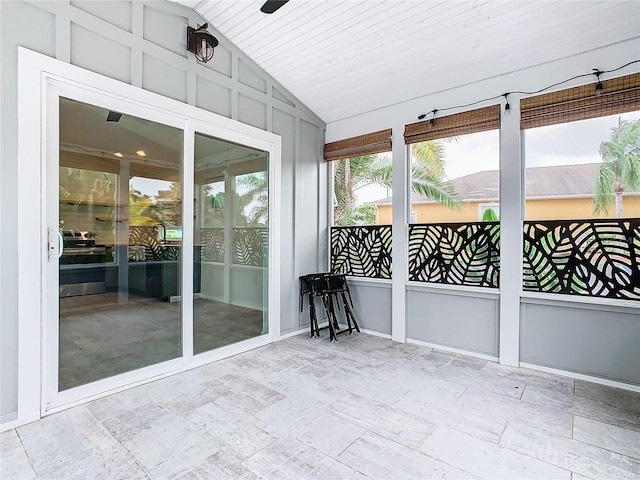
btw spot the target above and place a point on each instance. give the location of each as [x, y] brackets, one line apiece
[563, 144]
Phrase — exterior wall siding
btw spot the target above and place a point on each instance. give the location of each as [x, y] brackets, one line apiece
[556, 209]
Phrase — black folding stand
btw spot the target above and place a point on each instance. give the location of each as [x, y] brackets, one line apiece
[333, 289]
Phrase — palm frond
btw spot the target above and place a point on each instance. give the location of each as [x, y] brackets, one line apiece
[430, 156]
[620, 167]
[444, 193]
[603, 195]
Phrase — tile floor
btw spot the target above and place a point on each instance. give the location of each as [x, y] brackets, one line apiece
[102, 335]
[362, 408]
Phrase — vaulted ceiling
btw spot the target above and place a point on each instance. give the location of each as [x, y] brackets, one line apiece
[342, 58]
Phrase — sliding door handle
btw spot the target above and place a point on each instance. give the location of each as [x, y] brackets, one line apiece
[60, 244]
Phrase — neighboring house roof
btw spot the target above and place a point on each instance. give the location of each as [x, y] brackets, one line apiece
[563, 181]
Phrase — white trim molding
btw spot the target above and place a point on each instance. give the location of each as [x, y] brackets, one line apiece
[457, 351]
[580, 376]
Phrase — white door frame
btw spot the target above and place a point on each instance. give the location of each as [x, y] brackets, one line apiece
[41, 79]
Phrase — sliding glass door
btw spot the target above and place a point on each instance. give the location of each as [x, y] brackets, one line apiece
[118, 201]
[231, 235]
[125, 247]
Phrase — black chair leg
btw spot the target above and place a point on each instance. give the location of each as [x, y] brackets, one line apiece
[351, 318]
[313, 313]
[331, 317]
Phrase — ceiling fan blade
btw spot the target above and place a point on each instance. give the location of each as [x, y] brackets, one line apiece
[271, 6]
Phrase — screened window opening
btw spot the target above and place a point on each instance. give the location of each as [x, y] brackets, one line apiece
[582, 191]
[361, 175]
[454, 236]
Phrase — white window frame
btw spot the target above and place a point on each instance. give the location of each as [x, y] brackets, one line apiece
[482, 207]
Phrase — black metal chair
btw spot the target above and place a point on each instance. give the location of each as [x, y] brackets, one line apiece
[333, 290]
[307, 284]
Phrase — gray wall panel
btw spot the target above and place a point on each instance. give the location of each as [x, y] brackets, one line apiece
[372, 306]
[252, 112]
[143, 44]
[114, 11]
[249, 77]
[457, 321]
[162, 78]
[166, 30]
[307, 196]
[284, 125]
[221, 61]
[211, 96]
[113, 60]
[582, 340]
[282, 97]
[18, 23]
[307, 217]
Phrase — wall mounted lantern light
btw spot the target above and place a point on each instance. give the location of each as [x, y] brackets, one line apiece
[201, 43]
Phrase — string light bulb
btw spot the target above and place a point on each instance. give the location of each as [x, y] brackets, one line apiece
[507, 107]
[597, 73]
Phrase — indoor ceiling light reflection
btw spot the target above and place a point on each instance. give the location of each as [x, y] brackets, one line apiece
[141, 153]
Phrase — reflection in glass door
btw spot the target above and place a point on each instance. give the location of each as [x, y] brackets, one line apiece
[120, 225]
[231, 238]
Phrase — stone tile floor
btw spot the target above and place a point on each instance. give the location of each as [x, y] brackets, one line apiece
[362, 408]
[102, 335]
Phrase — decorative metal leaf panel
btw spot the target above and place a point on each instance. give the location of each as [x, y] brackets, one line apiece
[598, 258]
[249, 245]
[153, 248]
[212, 240]
[362, 251]
[455, 253]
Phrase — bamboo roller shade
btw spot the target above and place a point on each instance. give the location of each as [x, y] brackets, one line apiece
[472, 121]
[619, 95]
[368, 144]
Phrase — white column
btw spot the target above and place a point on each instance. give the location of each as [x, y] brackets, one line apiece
[399, 209]
[511, 216]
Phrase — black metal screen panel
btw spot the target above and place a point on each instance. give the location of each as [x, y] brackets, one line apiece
[362, 251]
[598, 258]
[455, 253]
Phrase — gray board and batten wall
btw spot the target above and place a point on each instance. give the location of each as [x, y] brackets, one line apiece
[144, 44]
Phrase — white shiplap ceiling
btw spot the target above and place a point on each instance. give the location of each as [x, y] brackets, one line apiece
[343, 58]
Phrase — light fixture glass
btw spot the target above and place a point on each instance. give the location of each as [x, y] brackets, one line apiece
[141, 153]
[201, 43]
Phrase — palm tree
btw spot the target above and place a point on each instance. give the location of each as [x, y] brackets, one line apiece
[352, 174]
[252, 200]
[427, 173]
[620, 167]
